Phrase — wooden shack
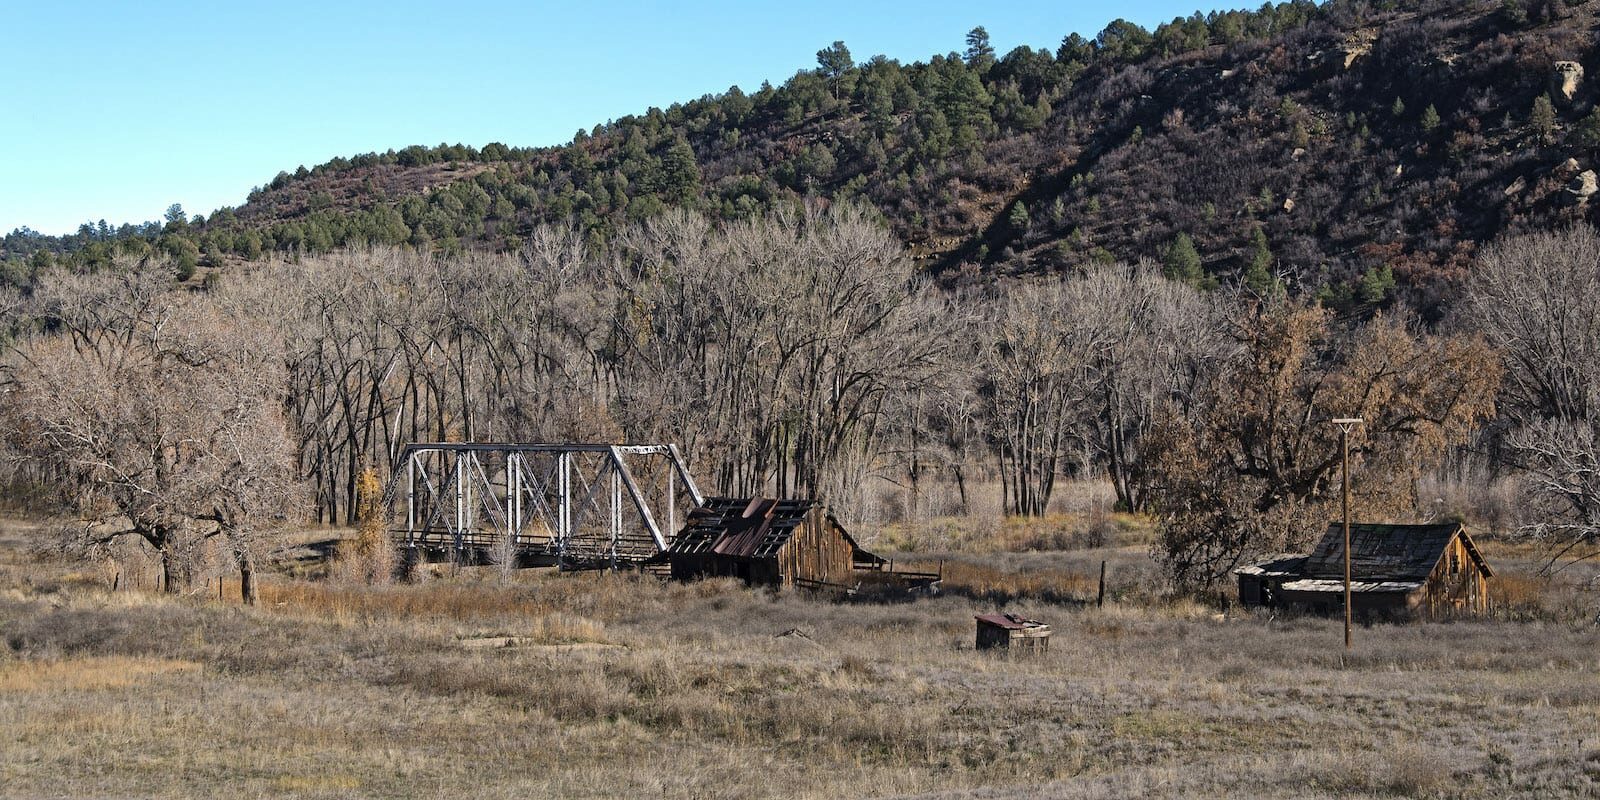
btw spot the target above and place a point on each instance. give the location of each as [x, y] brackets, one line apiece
[1010, 630]
[766, 541]
[1395, 570]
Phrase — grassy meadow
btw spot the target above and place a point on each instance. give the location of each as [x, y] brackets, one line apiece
[592, 685]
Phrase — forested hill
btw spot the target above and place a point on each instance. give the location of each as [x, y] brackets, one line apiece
[1356, 150]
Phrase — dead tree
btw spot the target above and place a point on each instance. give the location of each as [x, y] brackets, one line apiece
[1161, 340]
[156, 415]
[1534, 298]
[1039, 346]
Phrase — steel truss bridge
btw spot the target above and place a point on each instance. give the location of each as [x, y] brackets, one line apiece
[569, 505]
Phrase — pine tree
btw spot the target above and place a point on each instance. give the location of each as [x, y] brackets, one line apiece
[680, 173]
[1543, 118]
[1587, 132]
[1258, 275]
[965, 101]
[1376, 284]
[1430, 118]
[1123, 40]
[833, 62]
[1182, 261]
[1019, 218]
[1300, 137]
[979, 52]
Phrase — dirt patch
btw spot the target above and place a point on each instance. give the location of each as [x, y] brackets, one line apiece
[529, 643]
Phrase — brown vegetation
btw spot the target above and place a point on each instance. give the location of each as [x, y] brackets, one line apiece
[794, 354]
[1253, 467]
[369, 556]
[156, 416]
[718, 691]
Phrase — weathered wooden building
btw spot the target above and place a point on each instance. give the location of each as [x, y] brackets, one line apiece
[1394, 570]
[766, 541]
[1011, 630]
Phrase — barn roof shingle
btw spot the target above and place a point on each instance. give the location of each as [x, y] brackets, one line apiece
[1381, 553]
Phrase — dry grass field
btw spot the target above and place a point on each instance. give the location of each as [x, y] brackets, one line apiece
[594, 685]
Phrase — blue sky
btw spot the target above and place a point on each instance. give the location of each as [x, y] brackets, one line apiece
[116, 110]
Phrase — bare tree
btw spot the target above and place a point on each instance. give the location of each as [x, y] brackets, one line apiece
[1535, 298]
[1162, 340]
[771, 347]
[1040, 345]
[1085, 362]
[156, 415]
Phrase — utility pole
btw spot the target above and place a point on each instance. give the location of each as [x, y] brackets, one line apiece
[1345, 424]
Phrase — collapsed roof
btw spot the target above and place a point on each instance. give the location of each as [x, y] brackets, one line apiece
[749, 527]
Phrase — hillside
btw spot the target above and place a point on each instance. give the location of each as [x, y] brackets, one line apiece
[1347, 150]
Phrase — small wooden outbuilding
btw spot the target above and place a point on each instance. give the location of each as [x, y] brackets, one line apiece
[1011, 630]
[1394, 570]
[766, 541]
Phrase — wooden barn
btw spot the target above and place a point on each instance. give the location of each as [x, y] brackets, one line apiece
[765, 541]
[1395, 570]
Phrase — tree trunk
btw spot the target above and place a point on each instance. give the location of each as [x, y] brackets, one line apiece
[248, 591]
[169, 573]
[166, 572]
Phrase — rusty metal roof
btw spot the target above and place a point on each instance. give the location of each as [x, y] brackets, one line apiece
[1383, 553]
[744, 527]
[1012, 622]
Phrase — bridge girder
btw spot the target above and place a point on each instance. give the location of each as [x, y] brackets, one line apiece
[567, 504]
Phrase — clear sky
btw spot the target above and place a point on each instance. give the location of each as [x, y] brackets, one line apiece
[116, 110]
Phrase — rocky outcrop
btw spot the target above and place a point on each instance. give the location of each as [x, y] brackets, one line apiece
[1357, 45]
[1583, 186]
[1566, 80]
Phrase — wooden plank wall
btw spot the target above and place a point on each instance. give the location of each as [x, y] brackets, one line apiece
[1457, 585]
[817, 551]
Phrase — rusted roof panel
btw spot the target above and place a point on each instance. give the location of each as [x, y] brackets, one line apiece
[1009, 621]
[741, 527]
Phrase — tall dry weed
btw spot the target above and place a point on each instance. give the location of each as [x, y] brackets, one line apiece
[368, 557]
[993, 584]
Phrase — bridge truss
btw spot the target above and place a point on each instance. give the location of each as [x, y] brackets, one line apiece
[570, 505]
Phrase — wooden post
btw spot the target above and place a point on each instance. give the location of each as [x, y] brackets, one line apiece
[1344, 446]
[1100, 597]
